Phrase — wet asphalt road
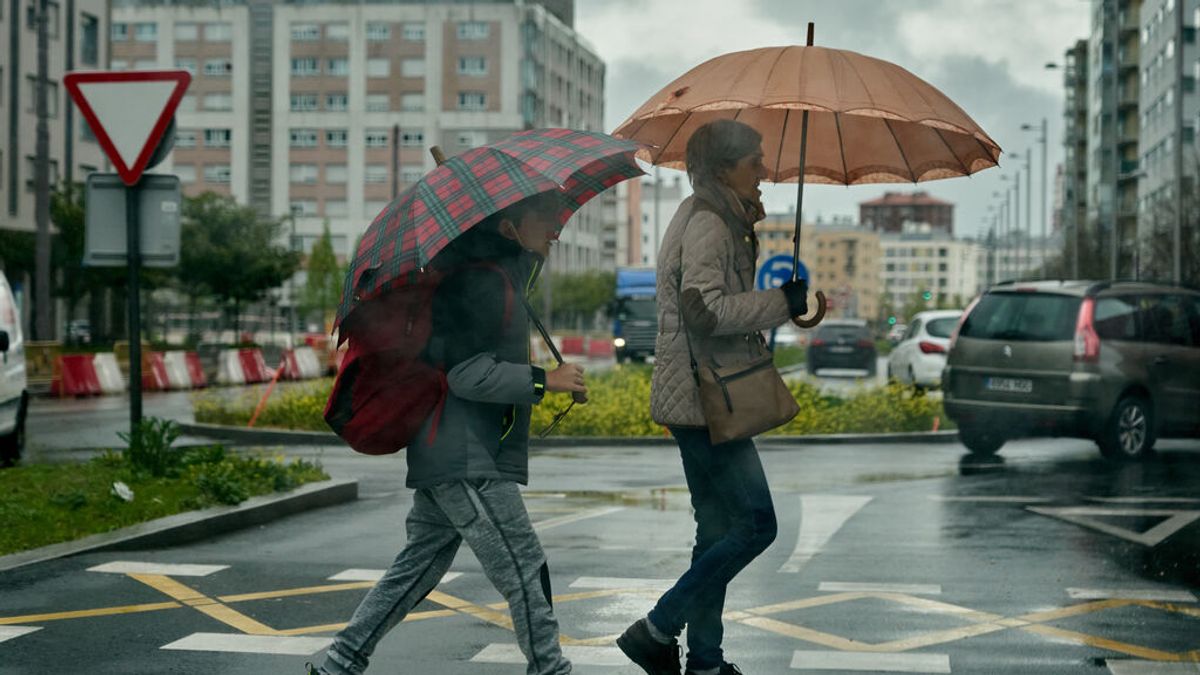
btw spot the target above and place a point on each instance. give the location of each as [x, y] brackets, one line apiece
[890, 558]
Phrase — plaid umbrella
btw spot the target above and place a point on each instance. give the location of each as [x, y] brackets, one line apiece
[466, 189]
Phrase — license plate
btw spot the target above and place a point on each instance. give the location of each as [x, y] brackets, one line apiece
[841, 350]
[1008, 384]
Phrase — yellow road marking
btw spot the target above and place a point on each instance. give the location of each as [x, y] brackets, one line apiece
[1073, 610]
[938, 637]
[587, 595]
[87, 613]
[334, 627]
[231, 617]
[169, 586]
[805, 603]
[485, 613]
[290, 592]
[1102, 643]
[204, 604]
[591, 642]
[806, 634]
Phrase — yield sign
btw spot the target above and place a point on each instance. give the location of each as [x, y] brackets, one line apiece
[128, 112]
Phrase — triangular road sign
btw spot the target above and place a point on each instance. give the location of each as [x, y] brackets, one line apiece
[128, 112]
[1089, 516]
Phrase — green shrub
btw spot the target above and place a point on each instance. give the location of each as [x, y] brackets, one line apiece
[150, 447]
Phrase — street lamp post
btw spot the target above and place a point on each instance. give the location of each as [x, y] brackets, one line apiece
[292, 326]
[1045, 181]
[1028, 209]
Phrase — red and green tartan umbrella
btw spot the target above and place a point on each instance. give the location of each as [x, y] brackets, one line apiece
[466, 189]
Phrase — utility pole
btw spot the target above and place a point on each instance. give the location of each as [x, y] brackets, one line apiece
[292, 324]
[41, 179]
[657, 190]
[1016, 220]
[1029, 208]
[395, 160]
[1177, 269]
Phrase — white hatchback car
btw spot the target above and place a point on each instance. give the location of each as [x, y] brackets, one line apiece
[920, 356]
[14, 399]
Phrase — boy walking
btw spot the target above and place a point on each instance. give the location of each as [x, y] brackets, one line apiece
[468, 459]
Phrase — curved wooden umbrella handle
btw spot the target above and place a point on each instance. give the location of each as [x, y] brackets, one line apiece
[816, 318]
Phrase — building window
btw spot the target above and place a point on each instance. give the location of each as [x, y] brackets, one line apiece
[377, 68]
[335, 208]
[218, 31]
[472, 65]
[377, 31]
[304, 207]
[304, 67]
[306, 32]
[303, 138]
[145, 32]
[337, 32]
[120, 32]
[376, 173]
[218, 67]
[377, 138]
[414, 32]
[145, 64]
[472, 100]
[186, 31]
[186, 173]
[473, 30]
[340, 66]
[335, 174]
[378, 103]
[470, 139]
[335, 138]
[185, 138]
[218, 102]
[186, 64]
[337, 102]
[89, 46]
[303, 102]
[412, 68]
[412, 102]
[217, 174]
[217, 138]
[51, 97]
[411, 174]
[303, 173]
[412, 139]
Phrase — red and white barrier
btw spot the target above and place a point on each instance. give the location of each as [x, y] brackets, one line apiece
[301, 363]
[76, 376]
[108, 373]
[154, 372]
[184, 370]
[195, 370]
[242, 366]
[600, 348]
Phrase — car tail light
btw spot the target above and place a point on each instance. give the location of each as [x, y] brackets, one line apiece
[961, 320]
[818, 342]
[931, 347]
[864, 343]
[1087, 341]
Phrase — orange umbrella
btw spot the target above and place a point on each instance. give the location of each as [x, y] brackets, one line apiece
[826, 116]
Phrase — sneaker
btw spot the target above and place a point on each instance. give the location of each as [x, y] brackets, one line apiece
[310, 669]
[726, 669]
[653, 656]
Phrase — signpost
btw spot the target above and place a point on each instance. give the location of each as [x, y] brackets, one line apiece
[130, 113]
[775, 272]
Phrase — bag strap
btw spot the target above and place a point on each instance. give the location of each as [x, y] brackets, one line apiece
[679, 293]
[533, 317]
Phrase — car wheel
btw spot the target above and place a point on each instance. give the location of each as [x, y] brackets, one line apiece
[980, 440]
[13, 443]
[1129, 434]
[872, 368]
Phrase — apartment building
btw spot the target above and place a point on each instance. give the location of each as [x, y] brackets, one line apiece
[77, 32]
[323, 112]
[921, 258]
[890, 212]
[842, 259]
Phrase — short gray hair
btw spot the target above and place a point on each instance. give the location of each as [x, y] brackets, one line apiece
[717, 147]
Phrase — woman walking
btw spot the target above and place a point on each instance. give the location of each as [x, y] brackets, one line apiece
[706, 271]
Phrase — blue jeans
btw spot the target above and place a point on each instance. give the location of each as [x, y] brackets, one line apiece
[735, 522]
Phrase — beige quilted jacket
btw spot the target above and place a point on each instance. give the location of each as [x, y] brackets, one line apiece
[724, 311]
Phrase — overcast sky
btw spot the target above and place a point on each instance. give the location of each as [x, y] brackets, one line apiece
[988, 56]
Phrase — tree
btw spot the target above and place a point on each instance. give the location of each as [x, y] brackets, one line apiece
[577, 297]
[323, 289]
[232, 252]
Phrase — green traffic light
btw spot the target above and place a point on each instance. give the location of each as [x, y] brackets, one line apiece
[891, 321]
[927, 295]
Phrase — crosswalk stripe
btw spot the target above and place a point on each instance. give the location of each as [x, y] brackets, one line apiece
[852, 587]
[376, 575]
[578, 655]
[165, 569]
[622, 582]
[1130, 594]
[1124, 667]
[250, 644]
[543, 525]
[877, 662]
[821, 516]
[10, 632]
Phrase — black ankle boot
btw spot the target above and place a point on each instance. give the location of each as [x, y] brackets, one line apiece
[653, 656]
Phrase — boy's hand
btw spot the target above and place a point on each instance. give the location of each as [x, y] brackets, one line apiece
[568, 378]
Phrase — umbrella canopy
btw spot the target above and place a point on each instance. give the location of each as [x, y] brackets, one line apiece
[870, 121]
[448, 201]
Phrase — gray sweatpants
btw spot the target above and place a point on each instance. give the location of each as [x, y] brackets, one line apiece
[491, 517]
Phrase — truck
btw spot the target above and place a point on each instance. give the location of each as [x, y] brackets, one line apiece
[634, 311]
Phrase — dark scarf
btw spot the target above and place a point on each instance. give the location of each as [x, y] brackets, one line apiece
[739, 217]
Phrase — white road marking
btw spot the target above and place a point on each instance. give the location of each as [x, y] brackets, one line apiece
[10, 632]
[647, 549]
[821, 516]
[875, 662]
[1144, 500]
[166, 569]
[852, 587]
[1125, 667]
[1082, 515]
[620, 582]
[578, 655]
[1130, 594]
[991, 499]
[542, 526]
[250, 644]
[376, 575]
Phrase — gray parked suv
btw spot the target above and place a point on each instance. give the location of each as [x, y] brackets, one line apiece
[1117, 362]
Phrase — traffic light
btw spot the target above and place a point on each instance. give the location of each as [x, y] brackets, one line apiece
[891, 321]
[927, 296]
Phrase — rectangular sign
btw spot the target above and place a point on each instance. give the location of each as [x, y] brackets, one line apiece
[160, 201]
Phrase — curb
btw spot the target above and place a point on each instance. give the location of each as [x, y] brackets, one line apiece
[281, 437]
[183, 528]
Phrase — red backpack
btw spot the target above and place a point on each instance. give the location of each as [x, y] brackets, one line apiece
[385, 390]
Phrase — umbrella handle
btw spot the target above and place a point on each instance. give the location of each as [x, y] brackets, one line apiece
[817, 317]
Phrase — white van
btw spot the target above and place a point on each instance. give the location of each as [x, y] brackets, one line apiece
[14, 398]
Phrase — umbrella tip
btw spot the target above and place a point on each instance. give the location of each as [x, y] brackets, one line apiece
[811, 25]
[438, 155]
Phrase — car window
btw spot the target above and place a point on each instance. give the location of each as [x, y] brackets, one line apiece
[942, 328]
[1116, 318]
[1023, 317]
[1165, 320]
[913, 329]
[835, 332]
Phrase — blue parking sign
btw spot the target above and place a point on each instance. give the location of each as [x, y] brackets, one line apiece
[777, 270]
